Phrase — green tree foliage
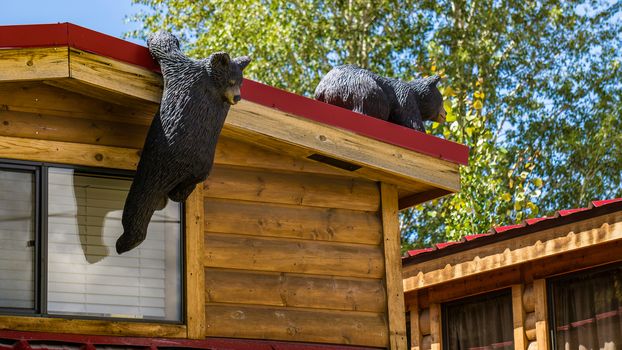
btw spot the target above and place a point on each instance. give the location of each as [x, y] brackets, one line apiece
[533, 87]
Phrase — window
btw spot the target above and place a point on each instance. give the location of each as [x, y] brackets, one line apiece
[67, 265]
[586, 308]
[479, 323]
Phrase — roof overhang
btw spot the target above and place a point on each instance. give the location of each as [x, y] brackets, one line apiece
[89, 63]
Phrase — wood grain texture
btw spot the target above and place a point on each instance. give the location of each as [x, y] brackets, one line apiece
[345, 145]
[436, 329]
[96, 327]
[291, 290]
[195, 272]
[34, 63]
[416, 335]
[284, 188]
[53, 128]
[530, 326]
[542, 326]
[512, 252]
[41, 98]
[115, 76]
[68, 153]
[351, 328]
[296, 256]
[292, 221]
[528, 298]
[242, 152]
[518, 318]
[393, 264]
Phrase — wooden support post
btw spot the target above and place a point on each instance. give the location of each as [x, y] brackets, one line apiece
[393, 265]
[542, 329]
[518, 312]
[436, 328]
[415, 329]
[195, 270]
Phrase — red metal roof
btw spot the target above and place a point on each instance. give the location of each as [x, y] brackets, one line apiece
[495, 234]
[15, 340]
[61, 34]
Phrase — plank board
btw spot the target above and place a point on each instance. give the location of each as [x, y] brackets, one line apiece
[96, 132]
[68, 153]
[284, 188]
[292, 221]
[38, 97]
[34, 64]
[241, 152]
[297, 256]
[115, 76]
[416, 335]
[395, 293]
[542, 326]
[291, 290]
[436, 329]
[95, 327]
[518, 318]
[351, 328]
[195, 273]
[344, 144]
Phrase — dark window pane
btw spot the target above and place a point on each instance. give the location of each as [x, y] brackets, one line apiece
[587, 310]
[85, 274]
[481, 323]
[17, 234]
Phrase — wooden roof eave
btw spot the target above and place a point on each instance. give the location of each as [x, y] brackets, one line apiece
[419, 177]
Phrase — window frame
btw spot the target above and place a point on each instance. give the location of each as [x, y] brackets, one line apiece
[550, 299]
[467, 300]
[41, 189]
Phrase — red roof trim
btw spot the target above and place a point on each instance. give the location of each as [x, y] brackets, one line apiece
[22, 340]
[46, 35]
[505, 232]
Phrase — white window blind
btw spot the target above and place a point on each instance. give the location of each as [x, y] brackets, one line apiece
[86, 275]
[17, 232]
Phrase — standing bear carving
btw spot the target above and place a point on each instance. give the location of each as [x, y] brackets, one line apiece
[180, 145]
[403, 103]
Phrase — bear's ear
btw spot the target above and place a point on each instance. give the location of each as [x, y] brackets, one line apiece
[434, 79]
[242, 61]
[220, 59]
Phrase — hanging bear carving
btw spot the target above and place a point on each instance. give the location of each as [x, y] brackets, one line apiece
[180, 145]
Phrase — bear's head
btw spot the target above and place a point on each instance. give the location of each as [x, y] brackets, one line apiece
[226, 75]
[429, 99]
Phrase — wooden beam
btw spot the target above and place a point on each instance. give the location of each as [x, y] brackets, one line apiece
[68, 153]
[93, 327]
[415, 330]
[393, 266]
[246, 252]
[195, 270]
[344, 145]
[573, 237]
[34, 64]
[297, 324]
[436, 328]
[542, 328]
[518, 313]
[115, 76]
[422, 197]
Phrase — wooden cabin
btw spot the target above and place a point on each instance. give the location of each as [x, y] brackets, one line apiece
[292, 243]
[548, 283]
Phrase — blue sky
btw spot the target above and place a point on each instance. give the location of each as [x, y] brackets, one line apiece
[106, 16]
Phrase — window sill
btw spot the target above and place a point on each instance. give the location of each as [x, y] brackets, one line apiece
[94, 327]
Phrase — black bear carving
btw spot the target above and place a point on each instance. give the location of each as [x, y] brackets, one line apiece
[180, 145]
[403, 103]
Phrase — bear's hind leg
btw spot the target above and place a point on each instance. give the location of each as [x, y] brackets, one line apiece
[142, 201]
